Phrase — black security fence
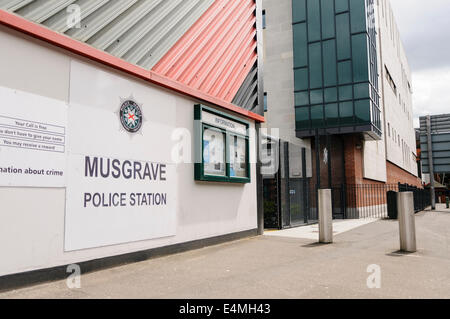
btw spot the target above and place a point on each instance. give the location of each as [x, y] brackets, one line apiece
[360, 201]
[355, 201]
[422, 197]
[290, 192]
[367, 200]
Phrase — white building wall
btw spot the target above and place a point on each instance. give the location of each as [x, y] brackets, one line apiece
[374, 152]
[374, 160]
[279, 74]
[32, 220]
[399, 131]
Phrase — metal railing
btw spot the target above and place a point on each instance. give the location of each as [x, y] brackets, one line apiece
[422, 197]
[373, 200]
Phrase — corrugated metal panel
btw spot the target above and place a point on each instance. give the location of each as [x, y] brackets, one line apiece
[247, 96]
[218, 52]
[13, 5]
[138, 31]
[208, 45]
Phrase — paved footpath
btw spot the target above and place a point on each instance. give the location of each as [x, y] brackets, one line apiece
[283, 267]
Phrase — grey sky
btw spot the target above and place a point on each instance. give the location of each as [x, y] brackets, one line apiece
[425, 31]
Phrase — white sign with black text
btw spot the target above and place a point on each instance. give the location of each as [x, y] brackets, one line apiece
[224, 123]
[122, 185]
[32, 140]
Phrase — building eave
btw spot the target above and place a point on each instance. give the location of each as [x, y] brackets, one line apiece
[60, 40]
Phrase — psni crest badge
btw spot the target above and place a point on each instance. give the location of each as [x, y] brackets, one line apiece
[131, 116]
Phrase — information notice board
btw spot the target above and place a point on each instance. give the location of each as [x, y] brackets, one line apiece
[222, 147]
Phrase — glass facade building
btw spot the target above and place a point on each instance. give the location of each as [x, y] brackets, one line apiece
[335, 68]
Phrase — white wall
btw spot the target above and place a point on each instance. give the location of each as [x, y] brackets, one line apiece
[279, 73]
[374, 160]
[374, 152]
[399, 127]
[32, 219]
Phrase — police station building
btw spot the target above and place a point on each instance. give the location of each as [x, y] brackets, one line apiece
[127, 130]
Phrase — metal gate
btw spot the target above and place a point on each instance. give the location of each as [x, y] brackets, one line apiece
[286, 190]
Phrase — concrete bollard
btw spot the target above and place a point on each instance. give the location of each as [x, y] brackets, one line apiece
[325, 217]
[407, 222]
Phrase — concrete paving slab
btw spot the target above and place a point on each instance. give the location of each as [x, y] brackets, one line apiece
[282, 267]
[312, 231]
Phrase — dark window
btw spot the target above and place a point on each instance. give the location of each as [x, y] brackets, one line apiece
[264, 19]
[390, 80]
[265, 101]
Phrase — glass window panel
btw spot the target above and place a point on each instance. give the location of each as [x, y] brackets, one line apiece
[316, 96]
[360, 58]
[376, 115]
[345, 72]
[302, 118]
[300, 45]
[317, 119]
[301, 79]
[343, 36]
[341, 5]
[302, 98]
[358, 15]
[327, 19]
[330, 95]
[332, 114]
[238, 153]
[313, 20]
[329, 63]
[298, 10]
[346, 112]
[214, 152]
[362, 111]
[315, 65]
[361, 90]
[345, 93]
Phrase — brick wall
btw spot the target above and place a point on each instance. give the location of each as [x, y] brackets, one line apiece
[335, 150]
[354, 162]
[397, 175]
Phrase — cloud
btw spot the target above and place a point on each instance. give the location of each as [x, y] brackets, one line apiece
[424, 29]
[431, 92]
[425, 32]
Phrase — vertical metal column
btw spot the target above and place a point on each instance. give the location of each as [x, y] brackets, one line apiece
[318, 159]
[330, 179]
[259, 110]
[406, 221]
[259, 183]
[430, 163]
[325, 216]
[317, 186]
[305, 185]
[287, 194]
[344, 179]
[279, 192]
